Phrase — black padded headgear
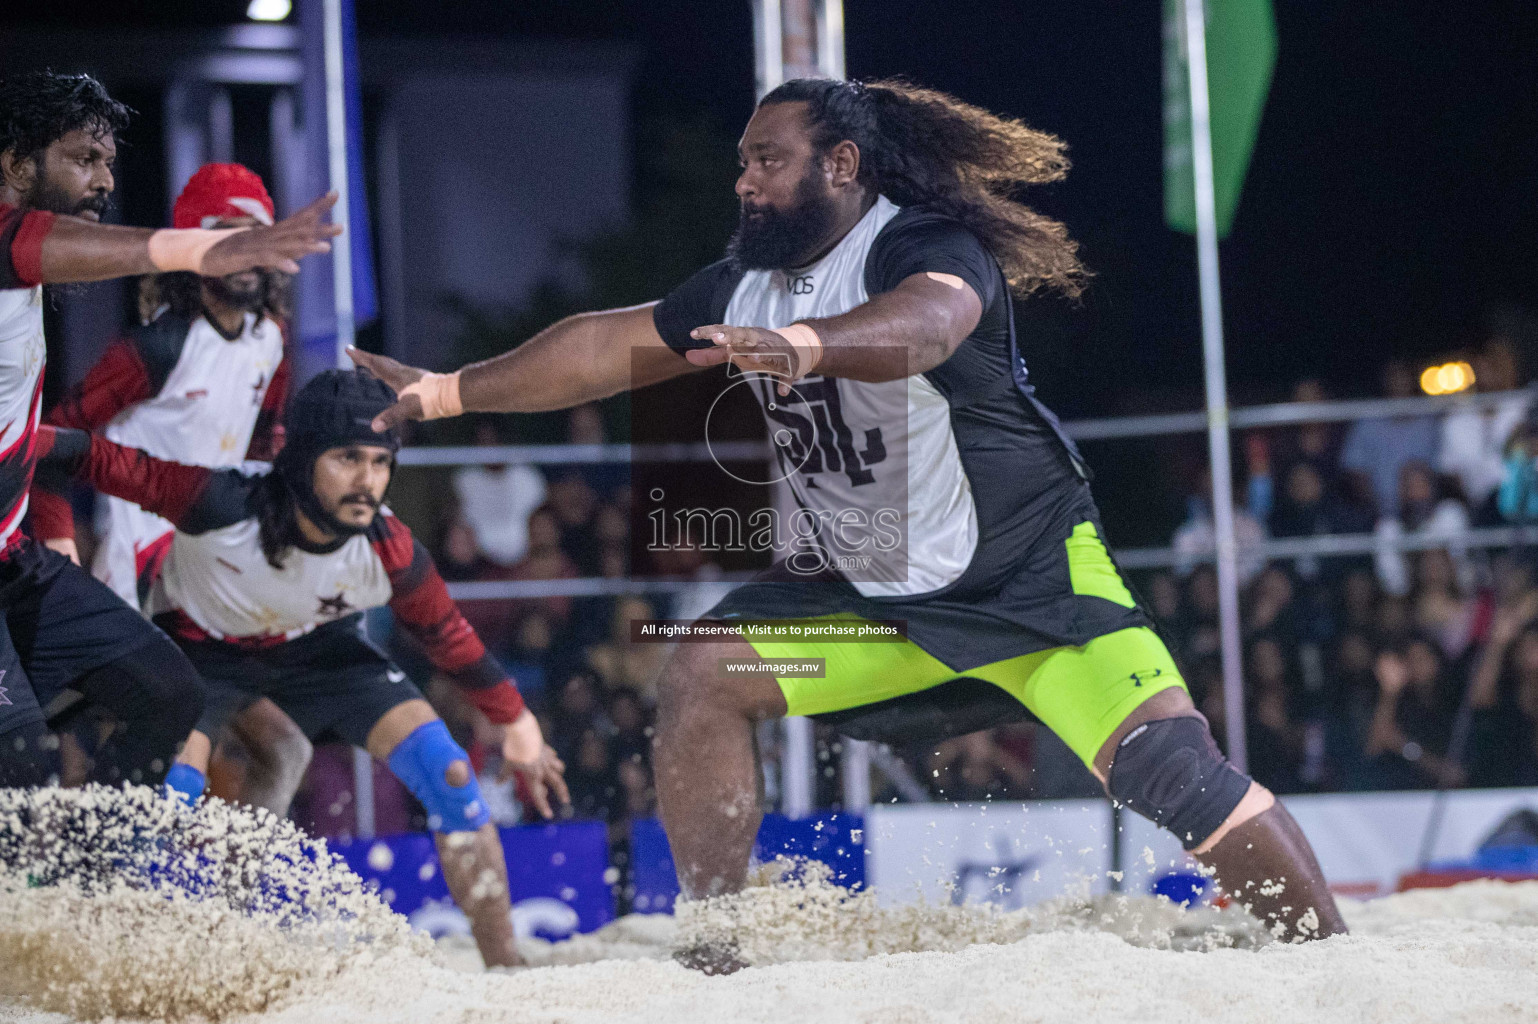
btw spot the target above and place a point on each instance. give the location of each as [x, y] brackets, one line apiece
[336, 408]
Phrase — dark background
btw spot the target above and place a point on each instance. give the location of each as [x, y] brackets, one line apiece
[1389, 207]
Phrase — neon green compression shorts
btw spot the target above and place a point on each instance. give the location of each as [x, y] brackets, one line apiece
[1080, 693]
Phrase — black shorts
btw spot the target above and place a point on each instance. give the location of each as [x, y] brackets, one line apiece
[333, 683]
[60, 624]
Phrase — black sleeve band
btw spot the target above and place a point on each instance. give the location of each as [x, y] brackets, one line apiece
[699, 301]
[918, 241]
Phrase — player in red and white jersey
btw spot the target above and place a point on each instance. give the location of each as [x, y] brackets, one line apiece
[264, 589]
[203, 381]
[67, 641]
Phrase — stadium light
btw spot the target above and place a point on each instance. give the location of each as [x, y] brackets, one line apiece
[1447, 379]
[269, 10]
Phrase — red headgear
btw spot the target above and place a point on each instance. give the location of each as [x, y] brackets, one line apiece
[221, 192]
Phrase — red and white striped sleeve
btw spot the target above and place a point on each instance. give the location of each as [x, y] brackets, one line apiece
[420, 600]
[21, 246]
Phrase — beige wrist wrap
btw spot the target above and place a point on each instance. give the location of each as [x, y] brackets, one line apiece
[807, 344]
[439, 393]
[183, 249]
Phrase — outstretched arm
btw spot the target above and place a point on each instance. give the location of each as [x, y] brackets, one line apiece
[48, 249]
[912, 328]
[580, 359]
[192, 498]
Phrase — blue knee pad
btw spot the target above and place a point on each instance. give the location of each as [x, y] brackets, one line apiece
[185, 783]
[420, 760]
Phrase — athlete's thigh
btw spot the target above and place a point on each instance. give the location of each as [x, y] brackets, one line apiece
[1084, 694]
[825, 674]
[75, 626]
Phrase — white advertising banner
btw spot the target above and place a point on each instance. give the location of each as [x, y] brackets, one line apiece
[1020, 853]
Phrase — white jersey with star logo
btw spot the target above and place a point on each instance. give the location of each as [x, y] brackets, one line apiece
[223, 583]
[179, 390]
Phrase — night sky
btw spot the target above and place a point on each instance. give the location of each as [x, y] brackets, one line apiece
[1388, 209]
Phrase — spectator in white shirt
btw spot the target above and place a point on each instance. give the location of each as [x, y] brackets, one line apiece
[1429, 505]
[496, 502]
[1473, 443]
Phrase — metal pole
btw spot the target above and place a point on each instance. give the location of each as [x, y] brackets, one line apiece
[856, 771]
[830, 38]
[336, 149]
[769, 52]
[1217, 386]
[363, 792]
[798, 794]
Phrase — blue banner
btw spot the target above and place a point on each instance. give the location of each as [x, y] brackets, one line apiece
[548, 867]
[837, 840]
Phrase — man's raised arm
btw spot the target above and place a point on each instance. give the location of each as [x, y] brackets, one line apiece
[71, 249]
[580, 359]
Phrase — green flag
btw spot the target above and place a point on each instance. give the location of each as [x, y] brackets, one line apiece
[1241, 54]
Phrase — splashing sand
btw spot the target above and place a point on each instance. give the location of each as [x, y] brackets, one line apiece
[1465, 954]
[119, 902]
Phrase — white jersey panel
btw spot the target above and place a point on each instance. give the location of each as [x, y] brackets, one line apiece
[222, 581]
[914, 468]
[22, 355]
[206, 411]
[204, 415]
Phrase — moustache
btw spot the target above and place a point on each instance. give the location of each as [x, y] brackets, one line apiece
[359, 499]
[96, 202]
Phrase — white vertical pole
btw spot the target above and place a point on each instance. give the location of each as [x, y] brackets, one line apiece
[797, 756]
[799, 760]
[1216, 379]
[769, 51]
[830, 37]
[363, 792]
[336, 147]
[856, 770]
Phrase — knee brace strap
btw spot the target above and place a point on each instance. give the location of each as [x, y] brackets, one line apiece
[185, 783]
[1171, 772]
[420, 761]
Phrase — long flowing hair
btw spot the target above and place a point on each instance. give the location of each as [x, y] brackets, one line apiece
[276, 519]
[923, 147]
[181, 293]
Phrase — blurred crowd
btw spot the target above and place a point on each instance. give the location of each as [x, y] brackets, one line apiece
[1389, 669]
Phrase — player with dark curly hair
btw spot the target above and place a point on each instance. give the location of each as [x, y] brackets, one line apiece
[869, 287]
[67, 641]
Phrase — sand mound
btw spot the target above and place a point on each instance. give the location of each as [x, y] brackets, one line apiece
[221, 914]
[119, 902]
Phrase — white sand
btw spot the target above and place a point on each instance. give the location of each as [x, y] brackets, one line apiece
[1465, 954]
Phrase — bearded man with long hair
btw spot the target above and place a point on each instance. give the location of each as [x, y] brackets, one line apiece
[68, 645]
[202, 379]
[867, 295]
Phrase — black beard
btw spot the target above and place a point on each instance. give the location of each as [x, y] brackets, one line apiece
[251, 299]
[53, 199]
[781, 240]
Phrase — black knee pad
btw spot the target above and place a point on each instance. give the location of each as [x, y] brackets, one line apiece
[1172, 773]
